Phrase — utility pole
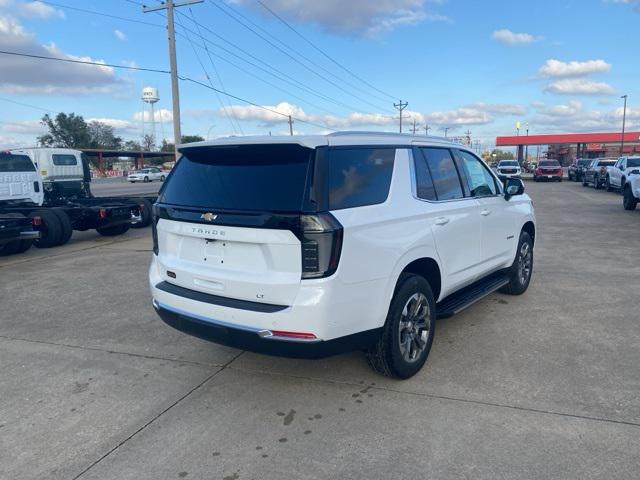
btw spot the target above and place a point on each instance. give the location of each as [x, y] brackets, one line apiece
[468, 134]
[446, 130]
[526, 148]
[290, 126]
[426, 130]
[415, 127]
[401, 106]
[169, 6]
[624, 119]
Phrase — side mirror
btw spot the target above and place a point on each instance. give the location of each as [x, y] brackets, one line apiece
[513, 187]
[634, 172]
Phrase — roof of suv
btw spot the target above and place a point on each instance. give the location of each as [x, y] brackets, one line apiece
[337, 138]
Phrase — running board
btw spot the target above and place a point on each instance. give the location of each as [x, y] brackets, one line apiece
[462, 299]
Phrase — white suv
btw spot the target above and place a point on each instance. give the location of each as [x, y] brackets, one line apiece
[308, 246]
[509, 169]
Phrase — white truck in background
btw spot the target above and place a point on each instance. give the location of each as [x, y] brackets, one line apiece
[618, 174]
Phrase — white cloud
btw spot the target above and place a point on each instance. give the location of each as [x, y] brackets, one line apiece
[579, 87]
[366, 17]
[120, 35]
[507, 37]
[557, 68]
[38, 10]
[160, 115]
[118, 124]
[572, 116]
[23, 127]
[634, 3]
[26, 75]
[500, 108]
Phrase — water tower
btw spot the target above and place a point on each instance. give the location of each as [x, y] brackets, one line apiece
[150, 96]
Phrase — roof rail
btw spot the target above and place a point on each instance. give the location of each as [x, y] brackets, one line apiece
[386, 134]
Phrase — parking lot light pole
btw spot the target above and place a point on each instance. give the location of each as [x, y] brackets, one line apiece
[624, 119]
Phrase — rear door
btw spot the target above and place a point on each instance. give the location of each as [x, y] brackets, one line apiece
[19, 180]
[228, 217]
[453, 216]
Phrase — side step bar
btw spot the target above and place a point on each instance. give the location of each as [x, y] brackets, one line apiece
[461, 299]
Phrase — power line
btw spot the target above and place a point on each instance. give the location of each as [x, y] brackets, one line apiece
[154, 70]
[27, 105]
[322, 51]
[285, 45]
[102, 14]
[306, 67]
[206, 74]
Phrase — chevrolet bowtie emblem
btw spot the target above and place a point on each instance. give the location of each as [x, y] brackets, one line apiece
[208, 217]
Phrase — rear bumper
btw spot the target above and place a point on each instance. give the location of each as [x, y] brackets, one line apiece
[259, 341]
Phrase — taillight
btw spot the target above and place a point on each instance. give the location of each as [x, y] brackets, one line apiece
[321, 245]
[36, 221]
[102, 213]
[154, 229]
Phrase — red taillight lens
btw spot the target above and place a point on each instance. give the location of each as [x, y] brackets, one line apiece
[102, 213]
[321, 244]
[36, 221]
[298, 335]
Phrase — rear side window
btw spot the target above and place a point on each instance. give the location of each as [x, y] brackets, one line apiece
[444, 173]
[64, 160]
[481, 182]
[271, 178]
[633, 162]
[424, 183]
[15, 163]
[359, 176]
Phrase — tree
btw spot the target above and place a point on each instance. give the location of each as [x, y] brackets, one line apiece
[67, 131]
[132, 145]
[170, 147]
[103, 137]
[501, 155]
[148, 142]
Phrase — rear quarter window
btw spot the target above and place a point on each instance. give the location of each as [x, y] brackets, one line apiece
[359, 176]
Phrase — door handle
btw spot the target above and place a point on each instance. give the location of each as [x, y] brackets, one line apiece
[485, 213]
[442, 220]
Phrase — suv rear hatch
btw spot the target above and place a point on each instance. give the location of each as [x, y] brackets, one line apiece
[241, 222]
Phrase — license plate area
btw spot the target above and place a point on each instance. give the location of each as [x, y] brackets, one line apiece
[213, 251]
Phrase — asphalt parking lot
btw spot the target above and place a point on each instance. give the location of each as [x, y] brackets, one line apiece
[546, 385]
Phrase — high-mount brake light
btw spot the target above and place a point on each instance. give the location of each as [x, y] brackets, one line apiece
[321, 245]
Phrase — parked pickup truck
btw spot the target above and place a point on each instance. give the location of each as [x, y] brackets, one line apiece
[58, 201]
[618, 174]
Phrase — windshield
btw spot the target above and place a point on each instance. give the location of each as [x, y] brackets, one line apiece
[549, 164]
[633, 162]
[248, 177]
[15, 163]
[508, 164]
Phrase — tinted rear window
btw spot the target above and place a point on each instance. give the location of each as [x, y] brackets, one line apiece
[15, 163]
[444, 173]
[633, 162]
[64, 160]
[270, 178]
[359, 176]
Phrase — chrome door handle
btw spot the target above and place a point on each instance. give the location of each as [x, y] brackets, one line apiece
[485, 213]
[442, 221]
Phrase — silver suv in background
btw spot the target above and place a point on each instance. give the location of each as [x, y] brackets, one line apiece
[509, 169]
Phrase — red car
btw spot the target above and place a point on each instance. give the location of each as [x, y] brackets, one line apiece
[548, 170]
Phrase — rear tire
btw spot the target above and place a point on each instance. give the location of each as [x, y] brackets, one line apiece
[629, 202]
[65, 222]
[521, 270]
[51, 229]
[145, 214]
[113, 231]
[146, 180]
[405, 342]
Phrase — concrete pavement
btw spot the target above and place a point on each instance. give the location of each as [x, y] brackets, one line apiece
[545, 385]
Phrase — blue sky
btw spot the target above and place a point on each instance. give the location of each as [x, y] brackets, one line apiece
[482, 66]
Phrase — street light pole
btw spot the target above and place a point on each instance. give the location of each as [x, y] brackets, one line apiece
[526, 148]
[624, 119]
[446, 130]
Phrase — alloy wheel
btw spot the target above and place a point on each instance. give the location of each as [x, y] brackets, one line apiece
[414, 327]
[525, 260]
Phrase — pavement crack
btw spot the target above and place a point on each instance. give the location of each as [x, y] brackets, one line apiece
[177, 402]
[115, 352]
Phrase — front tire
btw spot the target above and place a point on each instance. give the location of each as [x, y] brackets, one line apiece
[405, 342]
[521, 270]
[596, 183]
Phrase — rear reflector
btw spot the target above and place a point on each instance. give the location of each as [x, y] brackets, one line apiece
[297, 335]
[36, 221]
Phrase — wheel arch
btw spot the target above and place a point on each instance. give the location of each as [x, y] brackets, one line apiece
[426, 266]
[530, 228]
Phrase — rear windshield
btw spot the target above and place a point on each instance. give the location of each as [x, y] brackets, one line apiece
[270, 178]
[605, 163]
[15, 163]
[549, 164]
[508, 164]
[633, 162]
